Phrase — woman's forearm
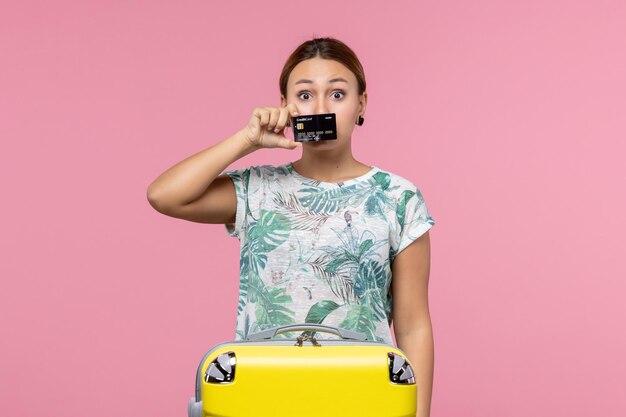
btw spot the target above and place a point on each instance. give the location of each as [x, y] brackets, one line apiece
[419, 347]
[188, 179]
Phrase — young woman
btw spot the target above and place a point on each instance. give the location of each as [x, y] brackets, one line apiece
[322, 237]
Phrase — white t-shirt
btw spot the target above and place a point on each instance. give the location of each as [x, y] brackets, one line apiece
[321, 252]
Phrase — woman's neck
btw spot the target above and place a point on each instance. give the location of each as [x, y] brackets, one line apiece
[329, 166]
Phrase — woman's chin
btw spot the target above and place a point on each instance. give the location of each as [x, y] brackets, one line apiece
[321, 142]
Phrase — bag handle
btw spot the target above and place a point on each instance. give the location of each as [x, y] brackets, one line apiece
[338, 331]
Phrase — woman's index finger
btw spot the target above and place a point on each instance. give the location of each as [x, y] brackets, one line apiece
[293, 109]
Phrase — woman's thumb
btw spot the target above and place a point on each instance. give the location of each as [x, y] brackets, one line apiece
[288, 144]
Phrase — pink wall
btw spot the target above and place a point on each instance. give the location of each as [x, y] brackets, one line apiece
[509, 116]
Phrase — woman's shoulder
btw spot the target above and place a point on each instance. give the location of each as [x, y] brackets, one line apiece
[264, 170]
[395, 182]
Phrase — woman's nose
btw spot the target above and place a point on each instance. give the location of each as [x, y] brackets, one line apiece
[321, 107]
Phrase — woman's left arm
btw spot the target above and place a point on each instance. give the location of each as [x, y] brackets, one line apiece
[411, 317]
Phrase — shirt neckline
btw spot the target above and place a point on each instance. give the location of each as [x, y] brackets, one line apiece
[367, 175]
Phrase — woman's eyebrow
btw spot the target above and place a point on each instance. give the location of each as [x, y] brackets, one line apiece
[334, 80]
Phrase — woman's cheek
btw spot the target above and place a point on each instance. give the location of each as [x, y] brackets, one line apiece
[343, 126]
[305, 108]
[345, 119]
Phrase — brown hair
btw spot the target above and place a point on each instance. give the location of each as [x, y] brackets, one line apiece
[325, 48]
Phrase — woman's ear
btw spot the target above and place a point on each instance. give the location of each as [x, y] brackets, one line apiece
[283, 102]
[363, 102]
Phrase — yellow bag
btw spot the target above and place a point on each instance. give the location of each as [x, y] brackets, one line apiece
[304, 377]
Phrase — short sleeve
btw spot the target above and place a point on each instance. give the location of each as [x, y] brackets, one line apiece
[412, 220]
[241, 179]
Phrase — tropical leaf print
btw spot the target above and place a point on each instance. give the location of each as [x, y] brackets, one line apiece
[335, 237]
[309, 182]
[375, 204]
[301, 217]
[243, 294]
[392, 253]
[318, 311]
[331, 200]
[389, 307]
[383, 179]
[252, 262]
[249, 327]
[274, 314]
[379, 202]
[247, 261]
[405, 197]
[269, 232]
[359, 319]
[424, 216]
[271, 310]
[339, 280]
[371, 288]
[244, 265]
[338, 265]
[353, 248]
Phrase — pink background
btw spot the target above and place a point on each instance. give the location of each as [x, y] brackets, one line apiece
[509, 116]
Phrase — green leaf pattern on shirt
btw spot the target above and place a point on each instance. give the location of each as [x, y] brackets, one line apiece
[353, 266]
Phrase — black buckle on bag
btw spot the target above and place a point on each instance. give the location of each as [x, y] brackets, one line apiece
[304, 337]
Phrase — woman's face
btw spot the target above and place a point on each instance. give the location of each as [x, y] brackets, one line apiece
[319, 86]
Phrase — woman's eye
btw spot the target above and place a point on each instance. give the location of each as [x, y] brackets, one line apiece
[336, 95]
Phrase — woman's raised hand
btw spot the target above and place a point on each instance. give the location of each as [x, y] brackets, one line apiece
[266, 127]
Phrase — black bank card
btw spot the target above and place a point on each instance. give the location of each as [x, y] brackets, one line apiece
[314, 127]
